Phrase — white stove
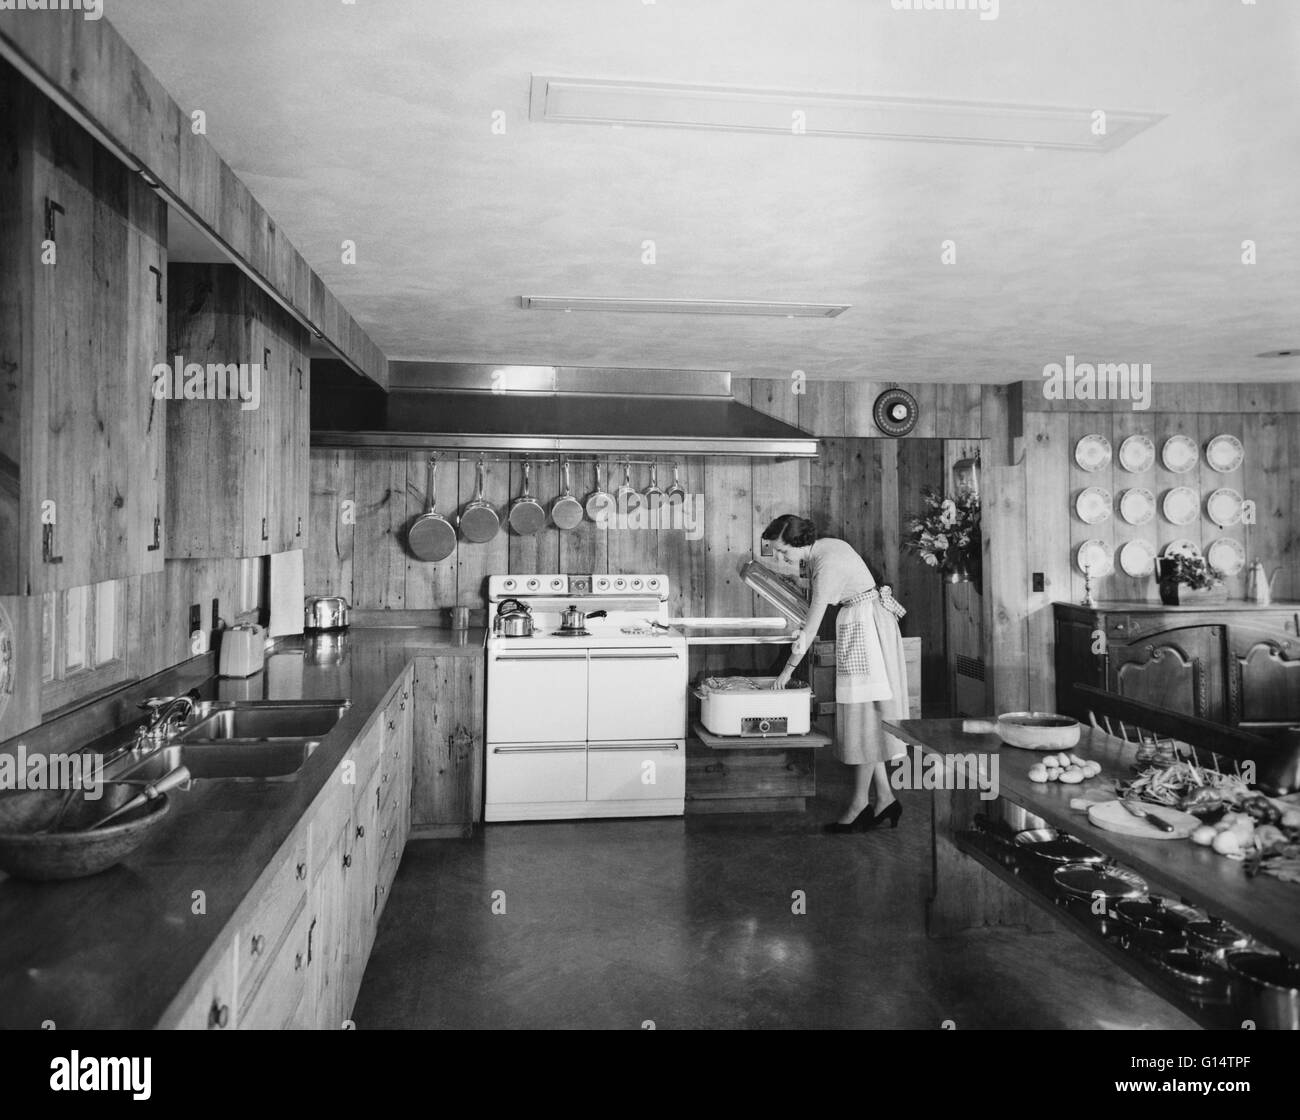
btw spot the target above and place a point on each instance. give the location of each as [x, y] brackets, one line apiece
[589, 724]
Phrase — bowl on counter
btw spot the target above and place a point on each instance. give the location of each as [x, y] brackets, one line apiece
[1039, 731]
[28, 851]
[1269, 986]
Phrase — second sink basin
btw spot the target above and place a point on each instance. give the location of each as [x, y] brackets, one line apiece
[258, 758]
[274, 719]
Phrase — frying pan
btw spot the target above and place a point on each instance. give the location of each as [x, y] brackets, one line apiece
[526, 513]
[479, 521]
[566, 510]
[432, 537]
[653, 494]
[627, 499]
[675, 495]
[599, 502]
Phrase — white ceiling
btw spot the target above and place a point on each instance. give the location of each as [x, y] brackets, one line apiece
[371, 121]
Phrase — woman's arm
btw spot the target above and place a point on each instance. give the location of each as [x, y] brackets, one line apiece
[805, 637]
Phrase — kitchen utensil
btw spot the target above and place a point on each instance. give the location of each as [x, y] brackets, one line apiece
[1181, 547]
[1083, 881]
[1038, 731]
[1093, 453]
[1180, 454]
[1093, 505]
[243, 650]
[1148, 924]
[1203, 978]
[1271, 985]
[600, 503]
[566, 510]
[1181, 506]
[1259, 584]
[478, 521]
[1115, 816]
[1137, 454]
[1137, 505]
[514, 619]
[177, 776]
[1094, 558]
[1137, 558]
[326, 612]
[28, 851]
[675, 495]
[627, 498]
[1154, 820]
[1224, 454]
[755, 712]
[431, 537]
[526, 513]
[1224, 507]
[653, 494]
[1226, 556]
[1214, 938]
[1057, 847]
[575, 619]
[460, 618]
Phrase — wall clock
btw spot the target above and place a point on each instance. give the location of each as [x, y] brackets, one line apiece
[895, 412]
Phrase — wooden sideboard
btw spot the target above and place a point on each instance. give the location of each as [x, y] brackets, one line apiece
[1233, 663]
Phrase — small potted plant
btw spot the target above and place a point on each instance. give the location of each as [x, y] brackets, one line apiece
[1190, 579]
[946, 535]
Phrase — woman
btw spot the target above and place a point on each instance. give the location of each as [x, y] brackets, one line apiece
[870, 679]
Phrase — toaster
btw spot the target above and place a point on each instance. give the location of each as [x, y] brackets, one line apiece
[243, 650]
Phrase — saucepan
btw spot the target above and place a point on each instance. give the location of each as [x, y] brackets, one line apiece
[479, 522]
[1272, 988]
[575, 619]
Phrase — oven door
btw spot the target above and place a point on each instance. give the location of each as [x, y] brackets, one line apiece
[536, 773]
[637, 693]
[537, 696]
[638, 771]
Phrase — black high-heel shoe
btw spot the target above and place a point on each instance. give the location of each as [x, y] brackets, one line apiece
[891, 813]
[858, 824]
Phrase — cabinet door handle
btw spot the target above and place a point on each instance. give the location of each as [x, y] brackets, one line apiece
[257, 945]
[157, 529]
[297, 962]
[401, 707]
[301, 871]
[157, 284]
[311, 933]
[347, 859]
[264, 535]
[47, 545]
[51, 208]
[299, 532]
[361, 831]
[218, 1016]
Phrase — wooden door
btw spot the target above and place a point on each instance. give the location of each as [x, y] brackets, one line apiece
[1174, 669]
[447, 746]
[1263, 677]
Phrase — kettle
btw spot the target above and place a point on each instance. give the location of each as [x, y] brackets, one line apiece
[1259, 583]
[514, 619]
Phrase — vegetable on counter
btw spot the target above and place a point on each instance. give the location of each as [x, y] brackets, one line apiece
[1067, 768]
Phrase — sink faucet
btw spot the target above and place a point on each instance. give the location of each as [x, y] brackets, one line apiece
[165, 713]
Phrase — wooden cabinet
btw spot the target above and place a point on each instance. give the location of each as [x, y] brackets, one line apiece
[237, 474]
[211, 1004]
[447, 781]
[82, 326]
[1230, 664]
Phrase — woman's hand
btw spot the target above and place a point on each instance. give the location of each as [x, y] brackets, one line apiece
[783, 679]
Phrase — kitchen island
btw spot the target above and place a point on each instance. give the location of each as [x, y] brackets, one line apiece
[134, 947]
[980, 881]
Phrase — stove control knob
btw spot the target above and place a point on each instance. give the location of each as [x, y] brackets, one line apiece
[581, 587]
[636, 584]
[557, 583]
[653, 583]
[602, 583]
[532, 585]
[620, 584]
[508, 584]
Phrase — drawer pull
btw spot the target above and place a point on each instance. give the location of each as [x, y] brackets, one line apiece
[218, 1016]
[257, 945]
[301, 871]
[361, 831]
[347, 859]
[297, 962]
[392, 726]
[402, 706]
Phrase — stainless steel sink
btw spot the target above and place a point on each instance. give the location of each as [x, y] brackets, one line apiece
[272, 719]
[266, 759]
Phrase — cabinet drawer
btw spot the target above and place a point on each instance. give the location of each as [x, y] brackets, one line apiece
[387, 872]
[260, 937]
[213, 1007]
[275, 1004]
[618, 771]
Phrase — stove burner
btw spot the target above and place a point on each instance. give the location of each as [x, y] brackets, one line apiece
[642, 630]
[571, 634]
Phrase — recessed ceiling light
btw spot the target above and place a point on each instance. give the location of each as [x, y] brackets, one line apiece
[813, 113]
[685, 306]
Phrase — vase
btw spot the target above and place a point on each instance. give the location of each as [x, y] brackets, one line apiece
[1169, 584]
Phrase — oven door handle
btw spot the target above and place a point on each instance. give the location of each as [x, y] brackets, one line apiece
[642, 746]
[540, 656]
[549, 749]
[635, 655]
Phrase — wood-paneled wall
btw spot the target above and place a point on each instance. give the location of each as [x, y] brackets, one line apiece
[1031, 482]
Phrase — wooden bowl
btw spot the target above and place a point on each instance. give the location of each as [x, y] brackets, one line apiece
[26, 852]
[1039, 731]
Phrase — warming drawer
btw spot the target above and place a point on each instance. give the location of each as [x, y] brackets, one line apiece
[625, 771]
[537, 696]
[637, 694]
[536, 773]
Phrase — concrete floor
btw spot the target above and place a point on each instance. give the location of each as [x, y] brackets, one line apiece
[688, 923]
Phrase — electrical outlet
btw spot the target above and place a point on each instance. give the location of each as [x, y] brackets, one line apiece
[216, 614]
[1038, 582]
[196, 618]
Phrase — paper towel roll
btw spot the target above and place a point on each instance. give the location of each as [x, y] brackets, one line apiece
[286, 594]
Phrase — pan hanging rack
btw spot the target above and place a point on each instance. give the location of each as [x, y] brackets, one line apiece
[549, 457]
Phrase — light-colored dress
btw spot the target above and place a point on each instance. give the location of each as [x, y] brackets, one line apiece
[870, 674]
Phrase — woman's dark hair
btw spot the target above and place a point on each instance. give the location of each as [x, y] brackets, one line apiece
[797, 532]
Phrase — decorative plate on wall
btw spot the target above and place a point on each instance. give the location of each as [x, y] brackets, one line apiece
[1181, 547]
[1180, 454]
[1137, 506]
[1181, 506]
[895, 412]
[1093, 505]
[1224, 454]
[1138, 559]
[1224, 507]
[1137, 454]
[1094, 558]
[1092, 453]
[1226, 556]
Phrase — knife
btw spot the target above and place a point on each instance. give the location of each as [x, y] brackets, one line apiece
[1150, 818]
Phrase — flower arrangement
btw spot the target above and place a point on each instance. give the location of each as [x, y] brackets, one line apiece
[946, 535]
[1194, 572]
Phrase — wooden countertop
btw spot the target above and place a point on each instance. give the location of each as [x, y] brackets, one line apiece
[1265, 907]
[113, 950]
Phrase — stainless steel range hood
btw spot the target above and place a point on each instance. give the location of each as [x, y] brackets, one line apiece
[568, 409]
